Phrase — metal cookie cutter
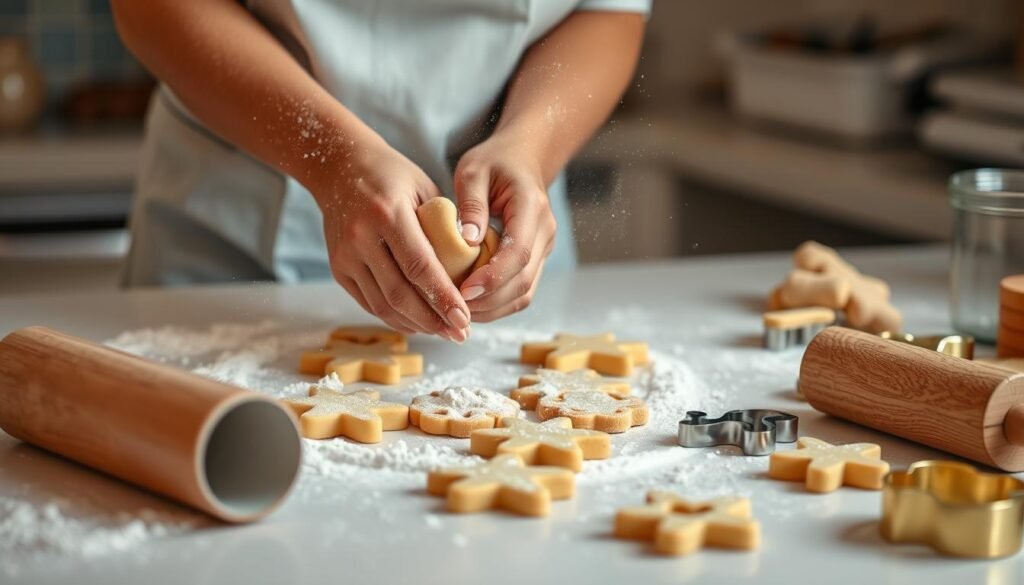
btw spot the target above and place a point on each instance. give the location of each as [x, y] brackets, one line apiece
[954, 508]
[961, 346]
[754, 430]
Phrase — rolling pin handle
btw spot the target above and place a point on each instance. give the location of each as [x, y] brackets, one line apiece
[1013, 425]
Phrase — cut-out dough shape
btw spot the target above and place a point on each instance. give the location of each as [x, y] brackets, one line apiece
[370, 334]
[459, 411]
[552, 382]
[354, 362]
[502, 482]
[552, 442]
[679, 527]
[599, 352]
[439, 220]
[595, 410]
[360, 416]
[825, 467]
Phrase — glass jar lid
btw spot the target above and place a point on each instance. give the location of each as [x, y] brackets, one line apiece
[988, 191]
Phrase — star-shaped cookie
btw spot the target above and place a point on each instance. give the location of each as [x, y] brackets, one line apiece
[679, 527]
[595, 410]
[502, 482]
[824, 466]
[360, 416]
[599, 352]
[552, 442]
[355, 362]
[552, 382]
[369, 334]
[458, 411]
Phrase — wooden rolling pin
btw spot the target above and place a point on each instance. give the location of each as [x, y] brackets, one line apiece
[229, 452]
[967, 408]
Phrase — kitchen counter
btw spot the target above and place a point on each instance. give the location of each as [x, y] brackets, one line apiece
[700, 314]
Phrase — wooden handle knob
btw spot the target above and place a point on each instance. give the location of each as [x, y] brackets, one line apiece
[1013, 425]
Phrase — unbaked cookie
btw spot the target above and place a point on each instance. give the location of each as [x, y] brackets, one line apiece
[502, 482]
[552, 382]
[552, 442]
[599, 352]
[439, 220]
[360, 416]
[459, 411]
[355, 362]
[595, 410]
[678, 526]
[370, 334]
[824, 466]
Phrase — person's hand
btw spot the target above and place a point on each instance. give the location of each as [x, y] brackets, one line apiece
[377, 249]
[499, 177]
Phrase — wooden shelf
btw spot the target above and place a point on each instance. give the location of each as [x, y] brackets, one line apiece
[896, 190]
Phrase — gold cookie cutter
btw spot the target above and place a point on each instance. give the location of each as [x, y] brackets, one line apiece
[961, 346]
[954, 508]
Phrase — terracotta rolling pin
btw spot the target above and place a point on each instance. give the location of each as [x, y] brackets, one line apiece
[967, 408]
[229, 452]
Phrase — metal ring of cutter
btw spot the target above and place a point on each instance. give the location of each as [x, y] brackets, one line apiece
[755, 431]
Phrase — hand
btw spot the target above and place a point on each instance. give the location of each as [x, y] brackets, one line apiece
[377, 249]
[499, 177]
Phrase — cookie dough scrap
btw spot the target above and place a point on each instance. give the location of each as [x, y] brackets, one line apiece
[552, 382]
[355, 362]
[599, 352]
[595, 410]
[503, 482]
[458, 411]
[552, 442]
[825, 467]
[370, 334]
[360, 416]
[679, 527]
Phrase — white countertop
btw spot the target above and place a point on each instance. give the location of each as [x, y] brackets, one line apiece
[702, 313]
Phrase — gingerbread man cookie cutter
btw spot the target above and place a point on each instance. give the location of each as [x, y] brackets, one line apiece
[755, 431]
[955, 509]
[961, 346]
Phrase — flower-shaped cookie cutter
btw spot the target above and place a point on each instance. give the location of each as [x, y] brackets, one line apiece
[954, 508]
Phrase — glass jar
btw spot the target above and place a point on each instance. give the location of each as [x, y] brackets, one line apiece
[988, 244]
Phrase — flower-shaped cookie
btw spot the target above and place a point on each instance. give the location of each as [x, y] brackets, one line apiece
[595, 410]
[356, 362]
[599, 352]
[678, 526]
[552, 442]
[502, 482]
[369, 334]
[824, 466]
[360, 416]
[552, 382]
[458, 411]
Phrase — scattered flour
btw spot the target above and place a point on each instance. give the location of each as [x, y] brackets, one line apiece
[466, 402]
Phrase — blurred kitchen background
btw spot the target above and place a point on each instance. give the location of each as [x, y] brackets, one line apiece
[751, 126]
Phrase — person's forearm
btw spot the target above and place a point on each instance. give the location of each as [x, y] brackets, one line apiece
[239, 81]
[568, 83]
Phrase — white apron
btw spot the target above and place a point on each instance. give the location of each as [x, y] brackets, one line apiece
[425, 74]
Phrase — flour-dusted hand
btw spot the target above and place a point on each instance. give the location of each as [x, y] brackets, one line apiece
[377, 249]
[498, 177]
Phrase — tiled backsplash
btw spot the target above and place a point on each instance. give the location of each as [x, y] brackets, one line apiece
[73, 41]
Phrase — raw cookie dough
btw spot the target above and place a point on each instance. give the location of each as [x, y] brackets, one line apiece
[679, 527]
[824, 466]
[552, 442]
[595, 410]
[599, 352]
[502, 482]
[459, 411]
[354, 362]
[369, 334]
[552, 382]
[439, 220]
[360, 416]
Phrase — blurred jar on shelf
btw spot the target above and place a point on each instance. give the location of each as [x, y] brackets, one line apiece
[22, 92]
